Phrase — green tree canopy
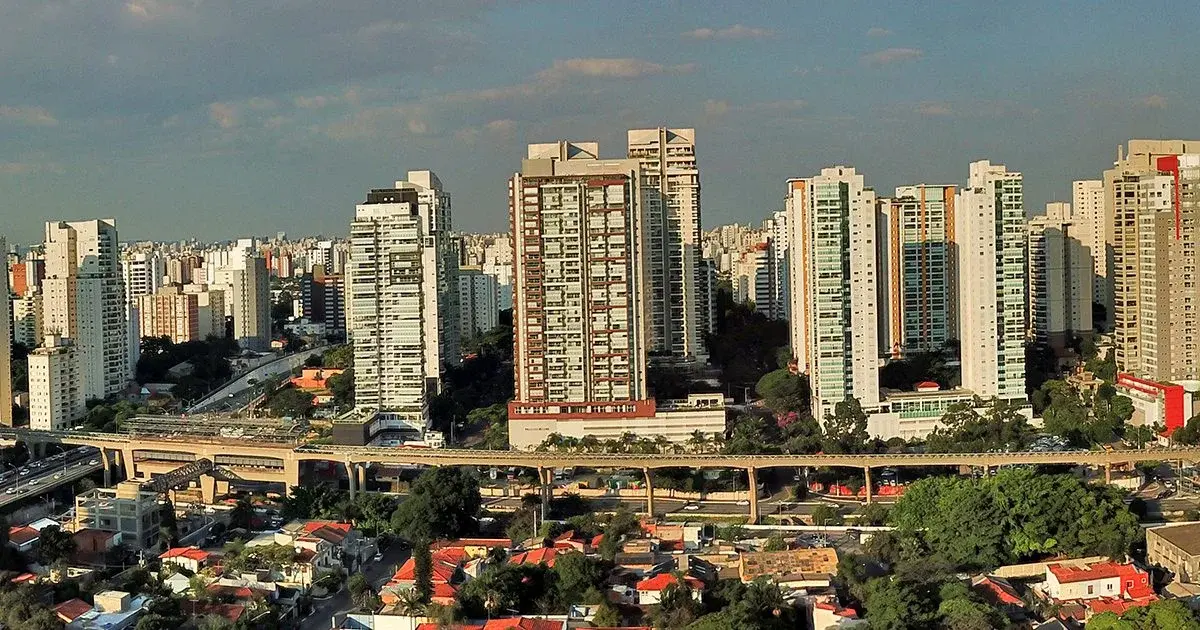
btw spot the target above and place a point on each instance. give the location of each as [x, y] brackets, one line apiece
[442, 503]
[291, 402]
[1164, 614]
[846, 428]
[783, 391]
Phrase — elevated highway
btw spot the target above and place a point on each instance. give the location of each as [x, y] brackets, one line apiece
[273, 462]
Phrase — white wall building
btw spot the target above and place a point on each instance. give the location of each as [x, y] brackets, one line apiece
[210, 306]
[1087, 210]
[27, 319]
[1060, 277]
[6, 336]
[478, 300]
[439, 253]
[241, 274]
[388, 275]
[834, 281]
[679, 312]
[56, 396]
[84, 300]
[989, 228]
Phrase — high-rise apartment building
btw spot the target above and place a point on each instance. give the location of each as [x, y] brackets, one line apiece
[27, 319]
[439, 253]
[56, 389]
[832, 220]
[580, 287]
[478, 300]
[990, 235]
[246, 285]
[84, 300]
[171, 313]
[679, 312]
[6, 322]
[210, 309]
[142, 273]
[920, 251]
[1060, 277]
[323, 299]
[386, 318]
[756, 279]
[1149, 238]
[1089, 217]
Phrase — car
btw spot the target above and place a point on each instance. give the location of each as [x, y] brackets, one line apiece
[743, 502]
[691, 507]
[10, 491]
[35, 482]
[58, 475]
[24, 471]
[377, 557]
[93, 462]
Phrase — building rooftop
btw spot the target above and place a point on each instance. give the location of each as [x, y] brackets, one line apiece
[796, 563]
[1186, 537]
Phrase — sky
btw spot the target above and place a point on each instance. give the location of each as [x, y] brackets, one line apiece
[214, 119]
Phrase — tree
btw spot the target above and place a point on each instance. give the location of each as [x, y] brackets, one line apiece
[360, 590]
[1160, 615]
[1189, 433]
[241, 514]
[966, 428]
[342, 388]
[54, 545]
[826, 514]
[339, 357]
[442, 503]
[422, 570]
[753, 435]
[677, 607]
[622, 523]
[291, 403]
[505, 588]
[783, 391]
[846, 428]
[775, 542]
[607, 616]
[311, 501]
[578, 578]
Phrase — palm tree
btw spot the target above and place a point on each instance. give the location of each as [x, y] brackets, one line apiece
[410, 603]
[698, 442]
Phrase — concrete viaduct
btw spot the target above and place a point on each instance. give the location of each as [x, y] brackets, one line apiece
[280, 463]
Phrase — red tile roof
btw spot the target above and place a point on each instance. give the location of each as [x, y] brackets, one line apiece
[663, 580]
[544, 556]
[445, 563]
[434, 626]
[522, 623]
[1001, 591]
[191, 553]
[237, 592]
[1066, 573]
[1116, 605]
[70, 609]
[22, 534]
[504, 543]
[231, 612]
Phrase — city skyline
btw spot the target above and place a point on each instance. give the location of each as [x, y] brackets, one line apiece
[168, 135]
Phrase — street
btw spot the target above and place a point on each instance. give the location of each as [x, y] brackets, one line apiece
[337, 605]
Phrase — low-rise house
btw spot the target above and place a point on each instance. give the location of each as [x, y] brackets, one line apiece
[643, 564]
[650, 590]
[446, 573]
[1081, 589]
[191, 558]
[543, 555]
[232, 613]
[71, 610]
[113, 610]
[23, 538]
[825, 613]
[91, 541]
[796, 568]
[1175, 548]
[474, 547]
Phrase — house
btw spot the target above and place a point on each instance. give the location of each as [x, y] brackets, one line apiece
[569, 541]
[23, 538]
[230, 612]
[796, 568]
[544, 555]
[649, 590]
[1083, 589]
[315, 378]
[71, 610]
[191, 558]
[90, 541]
[474, 547]
[1175, 548]
[642, 564]
[446, 568]
[114, 610]
[826, 613]
[1000, 593]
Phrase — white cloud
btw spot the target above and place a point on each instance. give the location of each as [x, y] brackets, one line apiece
[892, 55]
[614, 68]
[35, 116]
[737, 31]
[878, 31]
[716, 108]
[224, 114]
[934, 109]
[504, 126]
[1154, 101]
[29, 168]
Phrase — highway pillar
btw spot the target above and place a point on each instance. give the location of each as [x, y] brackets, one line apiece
[1108, 473]
[649, 493]
[291, 475]
[545, 479]
[362, 477]
[208, 489]
[867, 485]
[104, 457]
[128, 465]
[351, 478]
[752, 477]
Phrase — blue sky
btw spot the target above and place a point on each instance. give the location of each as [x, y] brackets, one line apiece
[219, 118]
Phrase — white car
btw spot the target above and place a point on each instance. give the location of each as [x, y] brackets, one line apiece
[743, 502]
[10, 491]
[93, 462]
[691, 507]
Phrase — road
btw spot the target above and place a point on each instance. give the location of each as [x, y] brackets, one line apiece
[679, 507]
[282, 365]
[377, 574]
[46, 474]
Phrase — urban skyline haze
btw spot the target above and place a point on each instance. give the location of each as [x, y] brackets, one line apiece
[188, 119]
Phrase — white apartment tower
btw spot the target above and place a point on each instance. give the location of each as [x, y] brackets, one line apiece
[84, 300]
[6, 322]
[833, 238]
[439, 253]
[1060, 277]
[580, 287]
[478, 299]
[989, 229]
[56, 397]
[678, 307]
[388, 276]
[245, 283]
[1089, 218]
